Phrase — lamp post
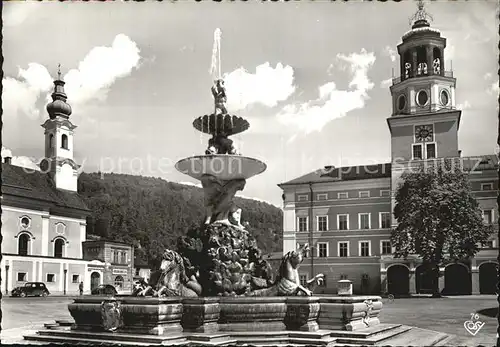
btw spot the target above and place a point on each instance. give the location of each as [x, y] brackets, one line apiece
[7, 279]
[65, 274]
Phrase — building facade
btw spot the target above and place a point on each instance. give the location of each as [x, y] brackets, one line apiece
[110, 263]
[43, 217]
[346, 213]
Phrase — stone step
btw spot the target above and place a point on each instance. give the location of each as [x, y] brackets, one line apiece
[417, 337]
[208, 337]
[367, 332]
[374, 339]
[65, 322]
[109, 336]
[227, 342]
[71, 340]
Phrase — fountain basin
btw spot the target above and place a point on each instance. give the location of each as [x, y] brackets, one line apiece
[252, 313]
[224, 167]
[220, 123]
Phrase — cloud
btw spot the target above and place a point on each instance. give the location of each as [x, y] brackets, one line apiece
[488, 76]
[391, 53]
[332, 103]
[267, 86]
[494, 88]
[21, 161]
[21, 94]
[16, 13]
[100, 68]
[386, 83]
[466, 105]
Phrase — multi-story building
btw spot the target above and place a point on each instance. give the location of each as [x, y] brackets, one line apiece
[346, 213]
[43, 217]
[110, 262]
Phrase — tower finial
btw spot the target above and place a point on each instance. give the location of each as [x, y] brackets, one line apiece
[421, 15]
[59, 71]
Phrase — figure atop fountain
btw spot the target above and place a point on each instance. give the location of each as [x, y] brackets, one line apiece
[220, 98]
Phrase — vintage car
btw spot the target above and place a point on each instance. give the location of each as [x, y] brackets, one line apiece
[31, 289]
[104, 289]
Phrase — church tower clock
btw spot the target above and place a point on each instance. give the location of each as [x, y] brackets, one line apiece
[59, 162]
[424, 121]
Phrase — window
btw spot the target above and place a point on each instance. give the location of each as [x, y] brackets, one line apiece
[385, 193]
[75, 279]
[486, 186]
[119, 282]
[487, 244]
[60, 228]
[58, 248]
[64, 141]
[364, 221]
[114, 253]
[417, 151]
[385, 220]
[322, 223]
[385, 247]
[343, 277]
[23, 244]
[22, 277]
[322, 250]
[364, 248]
[302, 198]
[303, 280]
[488, 216]
[343, 195]
[343, 248]
[51, 278]
[365, 194]
[431, 150]
[25, 222]
[343, 221]
[302, 223]
[322, 196]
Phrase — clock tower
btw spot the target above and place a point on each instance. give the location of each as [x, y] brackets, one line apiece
[424, 121]
[59, 162]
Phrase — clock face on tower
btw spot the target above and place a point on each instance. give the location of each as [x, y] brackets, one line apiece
[424, 133]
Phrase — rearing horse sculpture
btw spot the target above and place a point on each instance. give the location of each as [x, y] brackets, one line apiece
[288, 280]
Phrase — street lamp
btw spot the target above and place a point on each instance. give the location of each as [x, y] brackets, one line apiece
[7, 279]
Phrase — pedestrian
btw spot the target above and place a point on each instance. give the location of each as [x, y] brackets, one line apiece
[80, 287]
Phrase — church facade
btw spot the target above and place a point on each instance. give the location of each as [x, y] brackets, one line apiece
[346, 213]
[44, 219]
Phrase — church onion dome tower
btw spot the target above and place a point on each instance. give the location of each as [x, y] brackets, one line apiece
[59, 107]
[59, 162]
[423, 85]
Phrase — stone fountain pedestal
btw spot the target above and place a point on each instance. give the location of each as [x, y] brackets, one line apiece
[325, 321]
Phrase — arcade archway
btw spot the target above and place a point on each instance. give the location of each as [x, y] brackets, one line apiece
[95, 280]
[488, 278]
[457, 280]
[426, 279]
[398, 280]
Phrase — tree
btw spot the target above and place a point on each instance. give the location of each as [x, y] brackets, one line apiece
[438, 217]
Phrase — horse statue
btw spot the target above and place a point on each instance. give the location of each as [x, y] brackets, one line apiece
[219, 93]
[171, 279]
[288, 280]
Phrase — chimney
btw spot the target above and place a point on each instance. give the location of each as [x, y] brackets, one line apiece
[7, 160]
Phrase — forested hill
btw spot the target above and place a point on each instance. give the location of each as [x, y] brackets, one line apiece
[151, 213]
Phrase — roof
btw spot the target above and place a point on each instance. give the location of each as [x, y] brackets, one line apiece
[360, 172]
[22, 182]
[348, 173]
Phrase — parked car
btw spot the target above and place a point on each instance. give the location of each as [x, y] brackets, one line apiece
[31, 289]
[104, 289]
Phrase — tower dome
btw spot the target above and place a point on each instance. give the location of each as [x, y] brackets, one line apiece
[59, 107]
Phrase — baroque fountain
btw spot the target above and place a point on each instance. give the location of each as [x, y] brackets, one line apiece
[217, 288]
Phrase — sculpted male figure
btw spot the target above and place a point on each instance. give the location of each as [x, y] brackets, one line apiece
[219, 93]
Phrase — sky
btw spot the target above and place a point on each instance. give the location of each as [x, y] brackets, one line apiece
[312, 79]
